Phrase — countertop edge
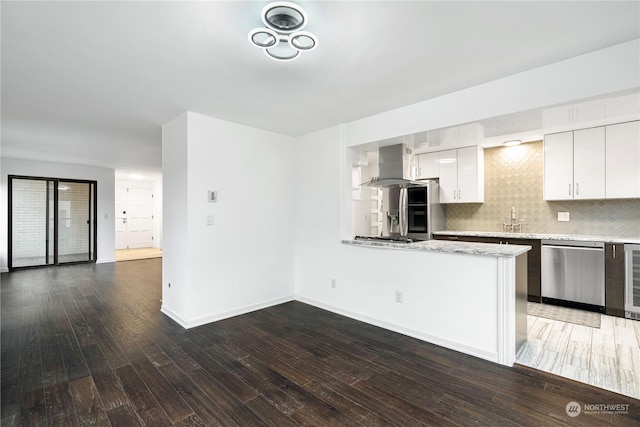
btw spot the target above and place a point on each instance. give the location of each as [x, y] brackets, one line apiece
[470, 248]
[540, 236]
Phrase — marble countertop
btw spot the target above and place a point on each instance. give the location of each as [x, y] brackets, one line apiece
[541, 236]
[488, 249]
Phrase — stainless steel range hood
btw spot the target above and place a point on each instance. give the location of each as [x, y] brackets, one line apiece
[396, 166]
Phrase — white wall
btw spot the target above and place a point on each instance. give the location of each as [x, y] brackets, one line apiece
[435, 290]
[175, 253]
[245, 260]
[106, 187]
[598, 73]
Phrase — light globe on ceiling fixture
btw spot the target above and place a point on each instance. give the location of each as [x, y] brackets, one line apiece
[512, 143]
[283, 38]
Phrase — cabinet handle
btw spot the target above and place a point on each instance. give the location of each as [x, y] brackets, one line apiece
[569, 189]
[459, 196]
[614, 251]
[454, 194]
[577, 188]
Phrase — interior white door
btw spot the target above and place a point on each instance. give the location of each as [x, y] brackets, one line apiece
[121, 218]
[134, 218]
[140, 218]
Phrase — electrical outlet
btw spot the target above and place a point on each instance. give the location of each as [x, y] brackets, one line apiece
[564, 216]
[333, 283]
[399, 296]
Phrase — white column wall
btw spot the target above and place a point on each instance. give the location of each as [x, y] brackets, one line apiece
[106, 199]
[175, 204]
[244, 261]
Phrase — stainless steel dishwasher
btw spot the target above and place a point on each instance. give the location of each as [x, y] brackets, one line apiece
[573, 272]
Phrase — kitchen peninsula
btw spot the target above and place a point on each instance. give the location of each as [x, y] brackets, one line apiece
[470, 297]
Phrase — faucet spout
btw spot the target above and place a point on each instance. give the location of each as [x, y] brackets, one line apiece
[512, 225]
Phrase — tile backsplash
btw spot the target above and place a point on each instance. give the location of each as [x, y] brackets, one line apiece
[513, 177]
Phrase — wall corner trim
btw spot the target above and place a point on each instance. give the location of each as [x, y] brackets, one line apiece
[173, 316]
[192, 323]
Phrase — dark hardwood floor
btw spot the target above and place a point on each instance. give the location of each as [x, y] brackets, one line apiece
[87, 345]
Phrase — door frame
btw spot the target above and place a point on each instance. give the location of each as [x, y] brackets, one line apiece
[93, 223]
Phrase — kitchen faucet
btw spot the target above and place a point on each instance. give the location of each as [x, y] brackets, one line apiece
[512, 226]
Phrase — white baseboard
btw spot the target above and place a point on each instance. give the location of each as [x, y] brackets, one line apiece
[173, 316]
[105, 260]
[4, 270]
[433, 339]
[192, 323]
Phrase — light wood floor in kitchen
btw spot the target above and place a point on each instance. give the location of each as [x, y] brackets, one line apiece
[608, 357]
[140, 253]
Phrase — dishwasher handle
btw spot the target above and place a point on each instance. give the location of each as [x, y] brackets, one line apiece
[578, 244]
[577, 248]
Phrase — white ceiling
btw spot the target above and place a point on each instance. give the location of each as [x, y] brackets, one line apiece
[93, 82]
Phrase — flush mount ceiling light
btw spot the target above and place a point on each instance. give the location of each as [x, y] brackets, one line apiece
[283, 38]
[512, 143]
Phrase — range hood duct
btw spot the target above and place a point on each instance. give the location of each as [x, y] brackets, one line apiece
[396, 166]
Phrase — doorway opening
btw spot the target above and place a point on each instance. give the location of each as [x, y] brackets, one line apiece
[134, 218]
[137, 218]
[52, 221]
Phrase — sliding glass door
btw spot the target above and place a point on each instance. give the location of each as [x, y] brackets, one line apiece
[51, 221]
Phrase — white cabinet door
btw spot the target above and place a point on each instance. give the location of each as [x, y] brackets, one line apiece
[558, 166]
[462, 175]
[623, 160]
[588, 163]
[470, 175]
[428, 166]
[448, 176]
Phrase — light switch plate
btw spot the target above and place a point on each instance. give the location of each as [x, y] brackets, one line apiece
[210, 219]
[212, 196]
[564, 216]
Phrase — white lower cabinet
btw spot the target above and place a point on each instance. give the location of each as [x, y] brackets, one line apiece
[462, 175]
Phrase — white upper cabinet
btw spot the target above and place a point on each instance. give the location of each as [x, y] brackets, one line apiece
[558, 166]
[448, 176]
[589, 164]
[428, 166]
[574, 165]
[623, 160]
[596, 163]
[462, 175]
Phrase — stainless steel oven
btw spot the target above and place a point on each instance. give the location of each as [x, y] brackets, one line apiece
[632, 280]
